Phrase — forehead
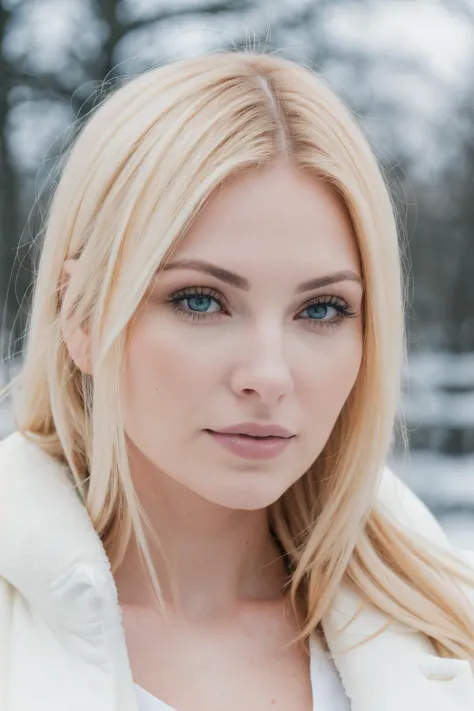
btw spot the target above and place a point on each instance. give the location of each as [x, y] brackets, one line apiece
[273, 216]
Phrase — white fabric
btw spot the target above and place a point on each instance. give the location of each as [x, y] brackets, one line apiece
[328, 692]
[147, 702]
[62, 642]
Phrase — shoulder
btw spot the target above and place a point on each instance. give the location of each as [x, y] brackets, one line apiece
[18, 452]
[38, 494]
[400, 503]
[27, 471]
[397, 500]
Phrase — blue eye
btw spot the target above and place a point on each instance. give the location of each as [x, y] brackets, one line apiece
[319, 311]
[201, 303]
[198, 301]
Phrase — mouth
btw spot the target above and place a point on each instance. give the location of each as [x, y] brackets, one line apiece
[257, 430]
[256, 447]
[244, 436]
[247, 436]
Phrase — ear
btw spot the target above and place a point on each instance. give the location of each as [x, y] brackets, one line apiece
[77, 340]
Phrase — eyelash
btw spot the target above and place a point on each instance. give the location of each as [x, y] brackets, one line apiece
[339, 304]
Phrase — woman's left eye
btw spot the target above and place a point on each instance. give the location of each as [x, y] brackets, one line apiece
[320, 310]
[205, 303]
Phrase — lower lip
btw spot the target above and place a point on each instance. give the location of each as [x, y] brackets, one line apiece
[249, 448]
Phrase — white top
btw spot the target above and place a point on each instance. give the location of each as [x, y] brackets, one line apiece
[328, 692]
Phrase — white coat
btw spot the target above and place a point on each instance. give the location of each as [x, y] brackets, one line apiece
[62, 645]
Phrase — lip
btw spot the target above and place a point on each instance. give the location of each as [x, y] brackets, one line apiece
[256, 429]
[248, 448]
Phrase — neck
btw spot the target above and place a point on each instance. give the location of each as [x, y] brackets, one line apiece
[210, 559]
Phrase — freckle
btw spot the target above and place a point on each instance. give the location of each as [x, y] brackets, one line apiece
[272, 701]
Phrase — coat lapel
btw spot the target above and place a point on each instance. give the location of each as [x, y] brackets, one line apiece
[397, 670]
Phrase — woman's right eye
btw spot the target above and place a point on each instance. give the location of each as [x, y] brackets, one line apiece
[198, 302]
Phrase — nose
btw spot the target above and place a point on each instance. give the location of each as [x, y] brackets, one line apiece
[264, 372]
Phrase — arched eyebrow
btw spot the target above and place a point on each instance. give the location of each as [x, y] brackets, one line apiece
[240, 282]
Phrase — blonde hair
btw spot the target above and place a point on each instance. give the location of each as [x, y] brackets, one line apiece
[136, 177]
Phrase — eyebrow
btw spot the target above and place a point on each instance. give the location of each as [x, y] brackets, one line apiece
[241, 283]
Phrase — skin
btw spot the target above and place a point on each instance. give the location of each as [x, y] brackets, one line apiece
[266, 355]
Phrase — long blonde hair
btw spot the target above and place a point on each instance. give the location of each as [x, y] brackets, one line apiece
[134, 180]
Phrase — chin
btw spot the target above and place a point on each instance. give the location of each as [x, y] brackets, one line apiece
[248, 498]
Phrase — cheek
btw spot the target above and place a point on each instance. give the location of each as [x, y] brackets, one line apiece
[162, 380]
[322, 392]
[333, 377]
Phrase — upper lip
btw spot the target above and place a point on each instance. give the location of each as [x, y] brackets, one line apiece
[257, 430]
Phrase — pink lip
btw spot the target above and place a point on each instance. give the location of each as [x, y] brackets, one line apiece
[250, 448]
[257, 429]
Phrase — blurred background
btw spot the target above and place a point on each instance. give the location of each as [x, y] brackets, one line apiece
[406, 67]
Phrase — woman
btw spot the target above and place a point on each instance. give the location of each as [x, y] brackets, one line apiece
[196, 511]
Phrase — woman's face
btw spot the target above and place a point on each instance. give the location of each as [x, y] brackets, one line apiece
[235, 333]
